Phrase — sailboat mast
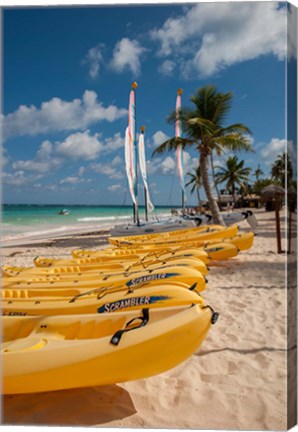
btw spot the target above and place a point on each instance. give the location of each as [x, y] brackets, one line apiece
[142, 129]
[179, 151]
[135, 205]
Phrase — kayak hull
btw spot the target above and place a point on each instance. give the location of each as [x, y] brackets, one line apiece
[45, 361]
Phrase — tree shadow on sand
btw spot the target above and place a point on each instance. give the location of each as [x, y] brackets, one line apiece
[73, 407]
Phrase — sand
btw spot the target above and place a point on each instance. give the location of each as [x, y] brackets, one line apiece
[236, 380]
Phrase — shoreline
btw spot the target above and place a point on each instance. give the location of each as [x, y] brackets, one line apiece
[70, 230]
[50, 236]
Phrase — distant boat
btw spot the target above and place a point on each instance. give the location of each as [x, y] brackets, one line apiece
[63, 212]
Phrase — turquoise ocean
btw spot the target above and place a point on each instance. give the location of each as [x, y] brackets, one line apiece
[43, 220]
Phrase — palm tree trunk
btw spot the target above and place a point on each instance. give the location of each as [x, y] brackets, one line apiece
[214, 181]
[199, 197]
[234, 193]
[217, 218]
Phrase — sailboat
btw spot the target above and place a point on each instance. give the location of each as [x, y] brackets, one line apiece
[131, 159]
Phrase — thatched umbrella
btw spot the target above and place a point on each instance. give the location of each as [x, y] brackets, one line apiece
[275, 191]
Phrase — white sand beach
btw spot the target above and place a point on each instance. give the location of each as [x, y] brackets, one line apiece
[236, 380]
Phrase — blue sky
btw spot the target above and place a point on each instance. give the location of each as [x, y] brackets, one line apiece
[67, 76]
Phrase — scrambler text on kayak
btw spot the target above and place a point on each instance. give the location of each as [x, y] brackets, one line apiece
[150, 278]
[131, 302]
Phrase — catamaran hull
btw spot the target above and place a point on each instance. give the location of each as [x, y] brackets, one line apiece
[229, 219]
[152, 227]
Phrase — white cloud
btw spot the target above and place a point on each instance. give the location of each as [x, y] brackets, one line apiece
[275, 147]
[77, 146]
[168, 165]
[115, 187]
[110, 170]
[167, 67]
[58, 115]
[117, 161]
[158, 138]
[86, 146]
[52, 188]
[93, 59]
[71, 180]
[161, 165]
[80, 145]
[43, 162]
[81, 171]
[212, 36]
[114, 143]
[4, 158]
[19, 178]
[127, 56]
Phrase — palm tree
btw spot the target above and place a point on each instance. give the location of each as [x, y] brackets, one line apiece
[233, 173]
[203, 127]
[281, 169]
[258, 173]
[196, 182]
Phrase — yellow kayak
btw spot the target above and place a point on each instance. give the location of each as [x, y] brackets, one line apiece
[81, 273]
[141, 253]
[243, 241]
[190, 231]
[207, 234]
[73, 292]
[42, 354]
[167, 274]
[102, 301]
[217, 250]
[160, 252]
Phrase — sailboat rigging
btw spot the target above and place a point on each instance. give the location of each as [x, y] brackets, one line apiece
[149, 207]
[131, 153]
[179, 150]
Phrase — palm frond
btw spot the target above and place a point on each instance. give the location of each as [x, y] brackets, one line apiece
[234, 142]
[172, 144]
[235, 128]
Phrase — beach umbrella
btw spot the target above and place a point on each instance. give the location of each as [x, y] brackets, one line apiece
[272, 191]
[275, 192]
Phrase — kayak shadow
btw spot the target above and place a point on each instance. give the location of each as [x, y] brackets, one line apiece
[72, 407]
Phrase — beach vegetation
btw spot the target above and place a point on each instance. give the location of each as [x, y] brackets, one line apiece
[234, 174]
[203, 127]
[258, 172]
[196, 183]
[282, 169]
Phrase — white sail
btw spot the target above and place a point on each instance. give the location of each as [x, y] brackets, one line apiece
[179, 150]
[143, 169]
[130, 164]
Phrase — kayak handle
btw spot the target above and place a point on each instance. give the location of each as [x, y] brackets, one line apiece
[214, 316]
[144, 320]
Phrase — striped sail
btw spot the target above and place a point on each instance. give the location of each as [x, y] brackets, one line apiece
[130, 151]
[129, 164]
[179, 151]
[142, 163]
